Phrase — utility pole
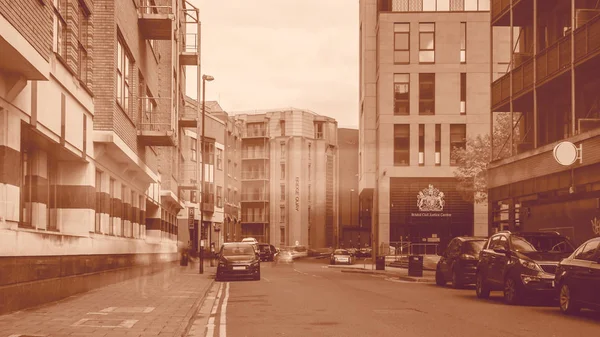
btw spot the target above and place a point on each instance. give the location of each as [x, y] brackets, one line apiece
[203, 188]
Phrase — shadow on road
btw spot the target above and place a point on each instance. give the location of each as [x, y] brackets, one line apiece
[584, 316]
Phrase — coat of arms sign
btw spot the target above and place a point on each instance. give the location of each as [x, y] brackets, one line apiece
[430, 200]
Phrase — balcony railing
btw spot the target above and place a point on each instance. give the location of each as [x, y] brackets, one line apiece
[587, 39]
[156, 126]
[553, 59]
[255, 197]
[189, 53]
[256, 218]
[189, 176]
[499, 8]
[155, 22]
[209, 203]
[188, 117]
[432, 5]
[254, 175]
[255, 155]
[523, 77]
[255, 133]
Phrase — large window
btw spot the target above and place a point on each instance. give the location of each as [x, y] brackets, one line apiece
[438, 144]
[282, 214]
[463, 42]
[426, 42]
[402, 43]
[463, 93]
[33, 191]
[401, 144]
[97, 227]
[401, 94]
[82, 44]
[219, 159]
[113, 196]
[219, 196]
[209, 153]
[427, 94]
[123, 76]
[194, 148]
[60, 29]
[319, 130]
[123, 210]
[282, 127]
[421, 144]
[458, 139]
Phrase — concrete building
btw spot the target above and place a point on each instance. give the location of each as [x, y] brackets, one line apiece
[552, 92]
[352, 234]
[89, 141]
[424, 69]
[289, 178]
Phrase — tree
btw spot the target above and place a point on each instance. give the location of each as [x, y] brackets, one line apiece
[474, 158]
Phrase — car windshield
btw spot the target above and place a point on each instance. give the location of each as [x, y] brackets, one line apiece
[264, 248]
[473, 247]
[556, 244]
[237, 251]
[341, 252]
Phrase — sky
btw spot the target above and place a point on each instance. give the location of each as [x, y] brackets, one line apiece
[269, 54]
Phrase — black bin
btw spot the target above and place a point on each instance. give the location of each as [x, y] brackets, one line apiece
[380, 263]
[415, 265]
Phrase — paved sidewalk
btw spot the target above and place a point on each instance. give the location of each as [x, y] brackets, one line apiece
[161, 304]
[400, 273]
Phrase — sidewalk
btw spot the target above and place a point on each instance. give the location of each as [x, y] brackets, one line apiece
[161, 304]
[400, 273]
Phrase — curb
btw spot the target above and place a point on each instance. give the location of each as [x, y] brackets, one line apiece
[400, 277]
[191, 315]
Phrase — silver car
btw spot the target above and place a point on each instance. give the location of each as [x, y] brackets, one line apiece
[342, 256]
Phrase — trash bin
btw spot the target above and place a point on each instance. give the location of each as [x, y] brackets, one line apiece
[184, 258]
[415, 265]
[380, 263]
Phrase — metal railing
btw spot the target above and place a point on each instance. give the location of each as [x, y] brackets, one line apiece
[255, 218]
[554, 59]
[254, 175]
[156, 114]
[150, 7]
[254, 154]
[255, 132]
[190, 42]
[587, 39]
[260, 196]
[499, 7]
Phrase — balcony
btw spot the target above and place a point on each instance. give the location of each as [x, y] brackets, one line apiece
[251, 155]
[188, 117]
[209, 203]
[189, 177]
[189, 55]
[156, 122]
[554, 60]
[254, 218]
[254, 175]
[255, 197]
[255, 133]
[499, 8]
[156, 22]
[587, 40]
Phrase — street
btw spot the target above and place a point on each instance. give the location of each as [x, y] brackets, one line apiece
[309, 299]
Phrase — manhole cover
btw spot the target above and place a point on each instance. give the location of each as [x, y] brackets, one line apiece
[106, 323]
[144, 310]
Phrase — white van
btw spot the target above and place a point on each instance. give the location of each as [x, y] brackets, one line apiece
[250, 240]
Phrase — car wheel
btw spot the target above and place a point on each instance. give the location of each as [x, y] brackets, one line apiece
[218, 278]
[439, 278]
[257, 277]
[512, 293]
[481, 289]
[566, 303]
[456, 284]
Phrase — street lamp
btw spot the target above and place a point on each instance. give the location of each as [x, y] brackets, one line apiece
[205, 78]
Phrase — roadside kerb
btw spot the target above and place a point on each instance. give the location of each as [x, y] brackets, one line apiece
[390, 274]
[190, 317]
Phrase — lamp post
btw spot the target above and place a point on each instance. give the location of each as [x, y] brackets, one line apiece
[205, 78]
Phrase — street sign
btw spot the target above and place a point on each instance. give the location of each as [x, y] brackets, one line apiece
[191, 214]
[566, 153]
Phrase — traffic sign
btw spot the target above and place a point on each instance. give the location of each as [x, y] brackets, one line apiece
[191, 213]
[566, 153]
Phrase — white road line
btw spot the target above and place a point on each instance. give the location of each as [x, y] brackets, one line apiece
[210, 327]
[223, 319]
[266, 279]
[296, 270]
[317, 276]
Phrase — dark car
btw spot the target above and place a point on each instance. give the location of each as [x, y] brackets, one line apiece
[578, 278]
[521, 264]
[266, 252]
[238, 260]
[458, 262]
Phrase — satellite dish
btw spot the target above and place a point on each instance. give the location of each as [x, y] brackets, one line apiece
[566, 153]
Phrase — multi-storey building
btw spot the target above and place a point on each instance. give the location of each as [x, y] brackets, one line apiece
[90, 95]
[352, 234]
[424, 69]
[552, 92]
[289, 177]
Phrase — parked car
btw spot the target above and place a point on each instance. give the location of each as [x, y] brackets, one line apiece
[458, 262]
[521, 264]
[266, 252]
[284, 256]
[341, 256]
[363, 252]
[578, 278]
[238, 259]
[250, 240]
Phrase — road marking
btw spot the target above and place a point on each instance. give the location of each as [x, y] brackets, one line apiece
[210, 327]
[223, 319]
[266, 279]
[317, 276]
[296, 270]
[401, 281]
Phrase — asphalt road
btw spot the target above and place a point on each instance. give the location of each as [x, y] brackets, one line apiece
[307, 299]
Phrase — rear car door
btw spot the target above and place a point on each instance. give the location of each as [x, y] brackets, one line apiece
[486, 256]
[582, 273]
[445, 259]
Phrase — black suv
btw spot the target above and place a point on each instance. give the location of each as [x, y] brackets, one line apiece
[266, 252]
[458, 262]
[521, 264]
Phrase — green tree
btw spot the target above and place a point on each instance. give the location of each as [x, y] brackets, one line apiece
[474, 158]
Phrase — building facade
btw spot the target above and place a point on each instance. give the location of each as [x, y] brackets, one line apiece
[551, 93]
[424, 66]
[90, 124]
[289, 178]
[352, 234]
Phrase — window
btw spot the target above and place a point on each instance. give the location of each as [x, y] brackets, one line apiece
[426, 42]
[219, 159]
[421, 144]
[60, 29]
[463, 42]
[458, 135]
[401, 144]
[131, 215]
[282, 171]
[588, 252]
[282, 236]
[282, 214]
[123, 199]
[463, 93]
[194, 197]
[194, 148]
[401, 94]
[112, 192]
[97, 227]
[209, 153]
[84, 31]
[123, 76]
[229, 167]
[309, 193]
[427, 94]
[219, 196]
[282, 127]
[319, 130]
[142, 218]
[282, 150]
[309, 151]
[402, 43]
[438, 144]
[309, 172]
[282, 192]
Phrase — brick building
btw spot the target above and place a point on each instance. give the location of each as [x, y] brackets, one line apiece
[424, 74]
[91, 119]
[551, 90]
[289, 177]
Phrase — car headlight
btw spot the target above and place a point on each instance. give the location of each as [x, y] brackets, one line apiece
[530, 265]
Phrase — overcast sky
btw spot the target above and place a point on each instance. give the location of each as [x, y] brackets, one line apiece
[267, 54]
